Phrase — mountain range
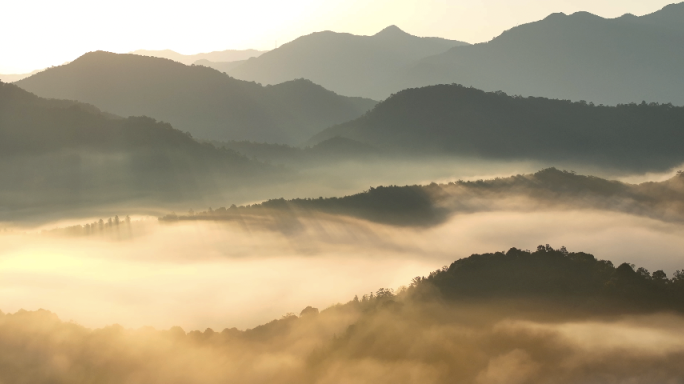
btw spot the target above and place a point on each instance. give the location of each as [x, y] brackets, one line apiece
[227, 55]
[197, 99]
[344, 63]
[462, 121]
[578, 57]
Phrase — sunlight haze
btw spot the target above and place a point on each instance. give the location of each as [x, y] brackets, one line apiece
[46, 33]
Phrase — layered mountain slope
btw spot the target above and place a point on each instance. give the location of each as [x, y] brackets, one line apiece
[433, 204]
[197, 99]
[578, 57]
[227, 55]
[347, 64]
[56, 154]
[452, 119]
[221, 66]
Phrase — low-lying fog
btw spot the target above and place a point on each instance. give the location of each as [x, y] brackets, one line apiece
[221, 275]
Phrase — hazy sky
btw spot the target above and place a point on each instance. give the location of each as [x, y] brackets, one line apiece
[40, 33]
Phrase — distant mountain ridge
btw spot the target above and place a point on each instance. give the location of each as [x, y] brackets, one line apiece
[219, 56]
[221, 66]
[578, 57]
[462, 121]
[196, 99]
[348, 64]
[16, 76]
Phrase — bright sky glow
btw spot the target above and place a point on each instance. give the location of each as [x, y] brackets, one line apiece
[40, 33]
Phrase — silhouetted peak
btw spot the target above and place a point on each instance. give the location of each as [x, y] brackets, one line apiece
[146, 52]
[628, 16]
[679, 7]
[670, 11]
[97, 58]
[95, 54]
[583, 15]
[671, 16]
[300, 83]
[549, 171]
[391, 31]
[93, 57]
[555, 16]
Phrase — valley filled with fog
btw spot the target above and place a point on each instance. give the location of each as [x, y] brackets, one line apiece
[244, 272]
[344, 206]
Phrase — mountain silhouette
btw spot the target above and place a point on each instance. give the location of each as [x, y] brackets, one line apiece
[197, 99]
[56, 154]
[221, 66]
[344, 63]
[578, 57]
[16, 76]
[227, 55]
[456, 120]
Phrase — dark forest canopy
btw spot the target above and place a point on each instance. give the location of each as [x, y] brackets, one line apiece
[579, 57]
[462, 121]
[427, 205]
[57, 153]
[576, 279]
[197, 99]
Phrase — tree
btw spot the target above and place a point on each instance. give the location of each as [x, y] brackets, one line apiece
[659, 277]
[384, 293]
[643, 272]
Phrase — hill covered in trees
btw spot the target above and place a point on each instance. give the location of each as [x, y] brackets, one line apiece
[348, 64]
[428, 205]
[462, 121]
[58, 153]
[578, 57]
[518, 314]
[197, 99]
[578, 279]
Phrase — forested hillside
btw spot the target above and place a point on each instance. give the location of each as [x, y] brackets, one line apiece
[462, 121]
[57, 153]
[428, 205]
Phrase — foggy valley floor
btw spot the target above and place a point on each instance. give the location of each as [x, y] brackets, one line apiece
[224, 267]
[590, 321]
[219, 275]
